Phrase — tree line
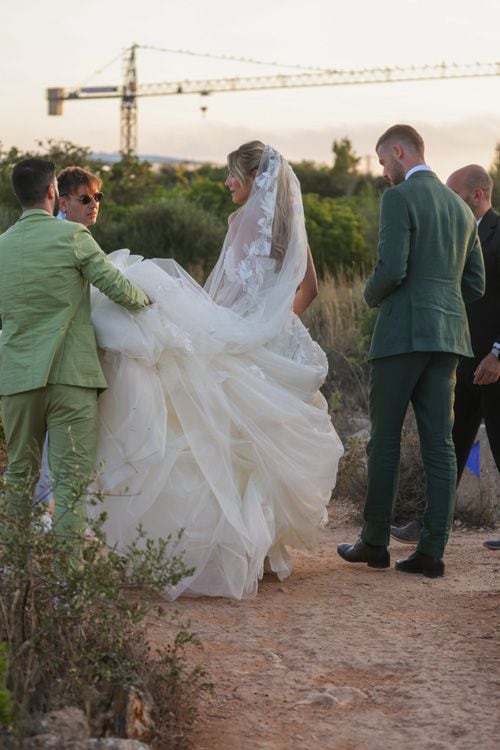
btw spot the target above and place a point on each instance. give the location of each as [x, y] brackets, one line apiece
[180, 212]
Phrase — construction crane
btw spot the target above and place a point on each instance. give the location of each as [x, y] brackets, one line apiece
[130, 90]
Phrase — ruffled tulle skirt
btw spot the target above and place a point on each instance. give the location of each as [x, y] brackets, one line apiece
[229, 444]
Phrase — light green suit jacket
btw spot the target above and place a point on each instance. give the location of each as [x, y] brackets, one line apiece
[46, 269]
[429, 264]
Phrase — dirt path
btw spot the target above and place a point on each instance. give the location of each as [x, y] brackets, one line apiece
[346, 658]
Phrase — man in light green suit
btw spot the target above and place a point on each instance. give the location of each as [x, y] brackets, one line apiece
[49, 367]
[429, 264]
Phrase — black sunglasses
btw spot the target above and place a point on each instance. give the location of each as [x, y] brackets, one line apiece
[85, 199]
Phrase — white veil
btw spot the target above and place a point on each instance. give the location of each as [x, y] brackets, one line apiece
[262, 262]
[253, 277]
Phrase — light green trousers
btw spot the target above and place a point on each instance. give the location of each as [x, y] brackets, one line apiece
[69, 414]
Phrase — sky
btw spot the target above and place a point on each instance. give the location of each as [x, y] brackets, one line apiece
[68, 45]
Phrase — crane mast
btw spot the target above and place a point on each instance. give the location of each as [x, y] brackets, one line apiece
[131, 89]
[128, 105]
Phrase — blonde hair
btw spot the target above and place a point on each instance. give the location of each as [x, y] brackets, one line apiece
[243, 164]
[245, 160]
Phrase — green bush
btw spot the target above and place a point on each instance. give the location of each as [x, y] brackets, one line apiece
[335, 235]
[366, 206]
[8, 216]
[131, 182]
[62, 153]
[172, 228]
[5, 699]
[212, 196]
[315, 178]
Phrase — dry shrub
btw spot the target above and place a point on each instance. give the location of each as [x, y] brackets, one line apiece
[352, 474]
[352, 477]
[410, 502]
[176, 687]
[75, 629]
[478, 516]
[333, 318]
[337, 321]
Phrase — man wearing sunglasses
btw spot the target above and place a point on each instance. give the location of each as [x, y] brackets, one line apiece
[79, 201]
[79, 196]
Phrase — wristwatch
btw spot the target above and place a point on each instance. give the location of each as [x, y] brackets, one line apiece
[496, 350]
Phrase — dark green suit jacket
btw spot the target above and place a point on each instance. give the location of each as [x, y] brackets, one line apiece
[429, 264]
[46, 269]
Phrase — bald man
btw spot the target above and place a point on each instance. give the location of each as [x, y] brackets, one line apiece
[477, 392]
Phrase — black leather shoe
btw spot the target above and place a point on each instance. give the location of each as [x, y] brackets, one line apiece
[374, 557]
[423, 564]
[409, 533]
[492, 544]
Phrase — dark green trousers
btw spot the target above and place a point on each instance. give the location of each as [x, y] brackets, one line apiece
[427, 381]
[69, 414]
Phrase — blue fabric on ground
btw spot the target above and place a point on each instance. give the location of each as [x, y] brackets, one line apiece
[474, 460]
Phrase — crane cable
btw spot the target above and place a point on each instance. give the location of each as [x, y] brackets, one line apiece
[230, 58]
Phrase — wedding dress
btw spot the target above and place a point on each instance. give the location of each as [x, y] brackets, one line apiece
[213, 423]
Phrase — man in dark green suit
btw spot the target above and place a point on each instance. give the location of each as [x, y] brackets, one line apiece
[429, 264]
[49, 366]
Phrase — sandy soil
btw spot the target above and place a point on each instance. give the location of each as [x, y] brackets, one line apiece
[343, 657]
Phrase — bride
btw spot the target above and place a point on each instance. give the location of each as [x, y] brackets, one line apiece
[213, 423]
